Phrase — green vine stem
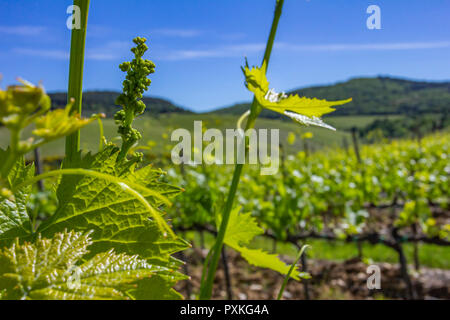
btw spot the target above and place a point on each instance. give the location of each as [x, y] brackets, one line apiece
[291, 269]
[102, 134]
[75, 89]
[13, 154]
[207, 286]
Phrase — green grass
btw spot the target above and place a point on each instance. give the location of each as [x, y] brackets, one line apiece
[431, 256]
[347, 122]
[159, 130]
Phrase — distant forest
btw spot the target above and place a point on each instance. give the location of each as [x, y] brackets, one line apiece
[104, 102]
[375, 96]
[371, 96]
[424, 106]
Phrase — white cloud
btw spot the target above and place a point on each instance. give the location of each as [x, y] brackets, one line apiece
[177, 33]
[240, 50]
[192, 33]
[22, 30]
[101, 56]
[232, 36]
[97, 31]
[367, 46]
[217, 52]
[110, 51]
[64, 55]
[42, 53]
[115, 50]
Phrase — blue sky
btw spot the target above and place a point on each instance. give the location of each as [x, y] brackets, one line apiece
[199, 45]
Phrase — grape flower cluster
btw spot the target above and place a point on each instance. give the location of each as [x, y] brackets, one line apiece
[134, 86]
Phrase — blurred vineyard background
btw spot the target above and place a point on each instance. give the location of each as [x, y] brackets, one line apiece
[374, 192]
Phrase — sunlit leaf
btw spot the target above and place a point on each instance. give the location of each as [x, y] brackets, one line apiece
[55, 269]
[242, 228]
[14, 219]
[118, 219]
[59, 123]
[301, 109]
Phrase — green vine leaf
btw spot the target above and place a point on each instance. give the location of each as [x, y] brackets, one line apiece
[59, 123]
[55, 269]
[14, 218]
[262, 259]
[242, 228]
[23, 99]
[301, 109]
[118, 219]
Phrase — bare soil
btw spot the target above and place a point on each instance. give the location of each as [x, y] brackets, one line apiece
[345, 280]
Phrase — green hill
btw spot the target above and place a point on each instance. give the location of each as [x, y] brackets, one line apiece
[104, 101]
[374, 96]
[371, 96]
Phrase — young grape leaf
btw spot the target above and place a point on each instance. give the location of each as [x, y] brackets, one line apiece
[242, 228]
[14, 219]
[117, 218]
[256, 80]
[59, 123]
[301, 109]
[262, 259]
[158, 287]
[55, 269]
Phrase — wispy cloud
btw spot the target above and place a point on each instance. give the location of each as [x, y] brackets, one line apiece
[216, 52]
[97, 31]
[232, 36]
[115, 50]
[22, 30]
[367, 46]
[101, 56]
[63, 55]
[240, 50]
[193, 33]
[110, 51]
[42, 53]
[177, 33]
